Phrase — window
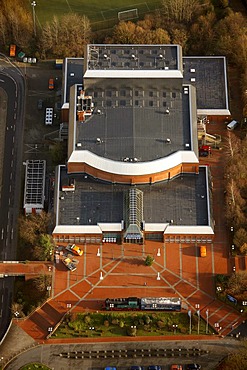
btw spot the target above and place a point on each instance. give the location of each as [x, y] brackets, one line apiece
[136, 102]
[122, 92]
[123, 103]
[151, 103]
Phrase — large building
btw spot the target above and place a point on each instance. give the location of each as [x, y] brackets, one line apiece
[133, 169]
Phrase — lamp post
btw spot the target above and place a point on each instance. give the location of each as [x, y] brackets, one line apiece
[207, 312]
[33, 4]
[174, 328]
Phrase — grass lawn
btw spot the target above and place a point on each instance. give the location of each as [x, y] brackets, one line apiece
[117, 324]
[102, 14]
[34, 366]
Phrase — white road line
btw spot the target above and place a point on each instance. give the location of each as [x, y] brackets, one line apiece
[12, 163]
[181, 261]
[14, 127]
[11, 175]
[12, 151]
[12, 233]
[15, 104]
[2, 234]
[8, 214]
[9, 201]
[10, 188]
[7, 228]
[15, 116]
[13, 139]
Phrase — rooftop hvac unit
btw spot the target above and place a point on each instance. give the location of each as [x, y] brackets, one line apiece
[105, 56]
[192, 70]
[161, 56]
[193, 79]
[167, 111]
[98, 140]
[168, 140]
[187, 145]
[78, 145]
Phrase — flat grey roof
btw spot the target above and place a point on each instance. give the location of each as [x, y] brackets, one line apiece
[183, 200]
[74, 74]
[208, 75]
[34, 183]
[147, 57]
[144, 120]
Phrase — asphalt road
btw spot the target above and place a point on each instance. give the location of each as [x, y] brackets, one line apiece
[12, 81]
[123, 355]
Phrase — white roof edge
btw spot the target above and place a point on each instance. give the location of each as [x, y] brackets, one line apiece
[77, 229]
[188, 230]
[214, 112]
[110, 227]
[139, 168]
[136, 73]
[155, 227]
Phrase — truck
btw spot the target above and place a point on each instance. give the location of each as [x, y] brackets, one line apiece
[74, 249]
[69, 263]
[12, 50]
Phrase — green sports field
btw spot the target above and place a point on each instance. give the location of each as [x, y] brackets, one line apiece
[102, 13]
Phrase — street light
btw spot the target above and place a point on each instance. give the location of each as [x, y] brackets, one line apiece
[33, 4]
[174, 328]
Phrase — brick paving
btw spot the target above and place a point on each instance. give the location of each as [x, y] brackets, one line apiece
[182, 273]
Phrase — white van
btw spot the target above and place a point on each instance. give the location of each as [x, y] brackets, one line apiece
[48, 116]
[232, 125]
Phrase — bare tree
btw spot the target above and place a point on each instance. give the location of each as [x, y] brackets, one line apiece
[180, 10]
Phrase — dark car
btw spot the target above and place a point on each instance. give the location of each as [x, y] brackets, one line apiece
[40, 104]
[136, 368]
[193, 367]
[154, 367]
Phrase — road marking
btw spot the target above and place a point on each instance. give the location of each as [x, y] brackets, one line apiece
[14, 127]
[12, 163]
[180, 261]
[13, 139]
[11, 175]
[8, 214]
[12, 151]
[2, 234]
[7, 228]
[9, 201]
[2, 81]
[12, 233]
[213, 268]
[15, 116]
[10, 188]
[15, 104]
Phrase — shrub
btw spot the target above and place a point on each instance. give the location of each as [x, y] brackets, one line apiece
[106, 323]
[87, 319]
[149, 260]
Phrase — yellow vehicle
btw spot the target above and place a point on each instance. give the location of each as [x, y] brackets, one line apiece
[203, 251]
[74, 249]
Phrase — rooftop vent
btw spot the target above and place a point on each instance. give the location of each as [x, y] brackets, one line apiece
[192, 70]
[167, 111]
[98, 140]
[105, 56]
[192, 79]
[168, 140]
[161, 56]
[78, 145]
[187, 145]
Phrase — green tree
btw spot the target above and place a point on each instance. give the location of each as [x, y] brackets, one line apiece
[44, 248]
[149, 260]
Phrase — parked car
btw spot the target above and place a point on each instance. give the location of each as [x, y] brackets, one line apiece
[110, 368]
[154, 367]
[51, 84]
[69, 264]
[193, 367]
[40, 104]
[74, 249]
[176, 367]
[136, 368]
